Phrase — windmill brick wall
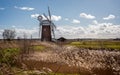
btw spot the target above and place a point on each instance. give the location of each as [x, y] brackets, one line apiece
[46, 33]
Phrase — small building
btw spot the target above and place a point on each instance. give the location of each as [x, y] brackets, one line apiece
[62, 39]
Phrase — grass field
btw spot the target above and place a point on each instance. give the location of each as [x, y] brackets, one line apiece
[97, 44]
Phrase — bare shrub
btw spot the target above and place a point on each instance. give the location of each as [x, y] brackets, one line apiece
[9, 34]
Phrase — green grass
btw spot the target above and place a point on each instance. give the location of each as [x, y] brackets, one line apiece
[8, 55]
[97, 44]
[61, 74]
[113, 46]
[39, 48]
[30, 72]
[19, 71]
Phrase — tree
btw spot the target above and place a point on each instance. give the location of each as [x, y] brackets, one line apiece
[9, 34]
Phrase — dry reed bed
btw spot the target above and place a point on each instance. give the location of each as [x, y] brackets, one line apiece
[94, 61]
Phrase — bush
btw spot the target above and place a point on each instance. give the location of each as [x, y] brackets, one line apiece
[9, 55]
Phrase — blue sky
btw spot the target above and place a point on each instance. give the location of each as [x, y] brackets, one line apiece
[78, 18]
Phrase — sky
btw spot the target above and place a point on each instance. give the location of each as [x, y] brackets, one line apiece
[73, 18]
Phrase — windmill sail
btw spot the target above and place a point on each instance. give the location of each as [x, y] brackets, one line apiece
[40, 19]
[39, 30]
[49, 13]
[46, 17]
[52, 24]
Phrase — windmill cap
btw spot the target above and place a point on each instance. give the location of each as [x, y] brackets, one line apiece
[45, 22]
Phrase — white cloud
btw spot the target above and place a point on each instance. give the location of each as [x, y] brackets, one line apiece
[94, 30]
[24, 8]
[95, 22]
[13, 26]
[75, 21]
[21, 31]
[53, 17]
[1, 31]
[87, 16]
[69, 31]
[109, 17]
[104, 30]
[56, 18]
[97, 30]
[2, 8]
[66, 19]
[28, 32]
[34, 15]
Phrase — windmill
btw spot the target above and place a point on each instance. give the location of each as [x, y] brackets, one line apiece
[46, 27]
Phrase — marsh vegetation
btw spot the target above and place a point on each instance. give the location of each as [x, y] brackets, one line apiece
[25, 57]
